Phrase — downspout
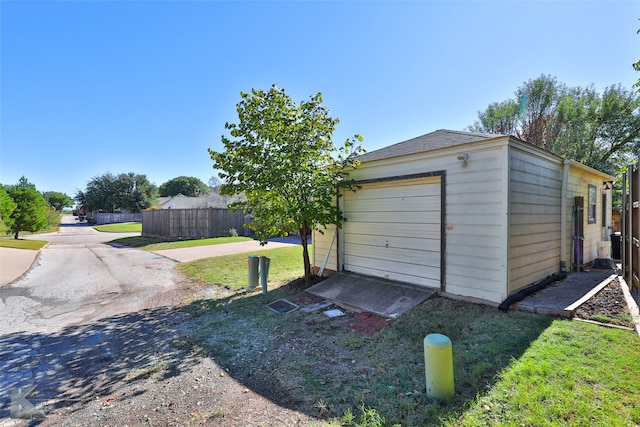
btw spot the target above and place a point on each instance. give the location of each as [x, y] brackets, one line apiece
[563, 214]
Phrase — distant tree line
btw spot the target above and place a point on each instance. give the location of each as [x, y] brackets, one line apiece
[601, 130]
[24, 208]
[132, 192]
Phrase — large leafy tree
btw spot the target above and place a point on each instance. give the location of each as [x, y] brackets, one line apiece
[281, 156]
[7, 205]
[115, 193]
[30, 212]
[58, 200]
[599, 130]
[185, 185]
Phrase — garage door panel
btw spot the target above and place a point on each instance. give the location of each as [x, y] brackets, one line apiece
[374, 267]
[395, 241]
[393, 230]
[388, 192]
[413, 204]
[396, 255]
[399, 230]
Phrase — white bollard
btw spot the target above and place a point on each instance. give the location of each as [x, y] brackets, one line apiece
[438, 362]
[264, 272]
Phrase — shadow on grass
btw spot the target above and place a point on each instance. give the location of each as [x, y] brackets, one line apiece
[306, 362]
[317, 365]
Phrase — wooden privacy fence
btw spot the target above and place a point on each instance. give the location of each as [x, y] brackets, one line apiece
[100, 218]
[631, 229]
[191, 223]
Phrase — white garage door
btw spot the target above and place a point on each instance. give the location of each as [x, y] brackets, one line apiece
[393, 231]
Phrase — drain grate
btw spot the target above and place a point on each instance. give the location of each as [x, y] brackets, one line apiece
[282, 306]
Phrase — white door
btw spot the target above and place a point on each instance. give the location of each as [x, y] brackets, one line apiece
[393, 230]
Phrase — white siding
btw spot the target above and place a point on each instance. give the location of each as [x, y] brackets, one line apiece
[502, 219]
[579, 180]
[323, 245]
[534, 217]
[476, 213]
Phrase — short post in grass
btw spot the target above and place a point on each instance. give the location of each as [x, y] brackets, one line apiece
[438, 362]
[252, 267]
[264, 272]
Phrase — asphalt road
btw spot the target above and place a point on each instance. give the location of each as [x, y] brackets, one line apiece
[79, 278]
[86, 314]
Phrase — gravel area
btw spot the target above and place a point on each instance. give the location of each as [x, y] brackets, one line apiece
[608, 306]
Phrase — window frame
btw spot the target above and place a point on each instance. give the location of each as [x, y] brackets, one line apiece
[592, 203]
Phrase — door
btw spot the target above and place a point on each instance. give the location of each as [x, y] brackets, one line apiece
[393, 230]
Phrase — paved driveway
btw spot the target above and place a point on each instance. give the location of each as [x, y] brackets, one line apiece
[78, 278]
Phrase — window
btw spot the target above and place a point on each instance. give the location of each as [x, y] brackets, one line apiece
[593, 194]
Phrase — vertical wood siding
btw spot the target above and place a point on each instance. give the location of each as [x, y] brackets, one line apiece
[191, 223]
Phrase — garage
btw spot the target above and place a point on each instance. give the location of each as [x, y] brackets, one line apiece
[393, 230]
[479, 216]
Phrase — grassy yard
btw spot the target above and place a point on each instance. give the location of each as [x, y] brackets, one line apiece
[230, 271]
[22, 243]
[125, 227]
[154, 244]
[510, 368]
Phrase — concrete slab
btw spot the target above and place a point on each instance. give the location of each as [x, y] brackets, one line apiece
[557, 299]
[14, 263]
[383, 297]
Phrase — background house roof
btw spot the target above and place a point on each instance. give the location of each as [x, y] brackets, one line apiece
[439, 139]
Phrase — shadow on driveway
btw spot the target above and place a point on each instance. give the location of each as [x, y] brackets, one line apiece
[81, 363]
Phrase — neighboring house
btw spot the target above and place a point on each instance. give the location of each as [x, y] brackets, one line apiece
[211, 200]
[475, 215]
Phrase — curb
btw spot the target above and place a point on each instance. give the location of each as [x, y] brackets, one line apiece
[631, 303]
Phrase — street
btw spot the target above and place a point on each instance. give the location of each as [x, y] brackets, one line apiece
[84, 315]
[79, 278]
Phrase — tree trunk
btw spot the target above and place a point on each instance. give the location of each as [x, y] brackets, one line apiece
[302, 234]
[16, 235]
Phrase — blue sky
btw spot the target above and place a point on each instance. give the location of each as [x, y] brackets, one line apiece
[92, 87]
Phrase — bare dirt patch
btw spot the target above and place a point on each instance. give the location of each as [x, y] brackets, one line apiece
[608, 306]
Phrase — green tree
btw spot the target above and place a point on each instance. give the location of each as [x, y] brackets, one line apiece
[599, 130]
[57, 200]
[531, 116]
[185, 185]
[281, 156]
[115, 193]
[7, 205]
[30, 213]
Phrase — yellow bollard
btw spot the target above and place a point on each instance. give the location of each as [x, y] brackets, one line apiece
[438, 362]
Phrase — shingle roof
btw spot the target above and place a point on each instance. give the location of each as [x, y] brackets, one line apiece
[439, 139]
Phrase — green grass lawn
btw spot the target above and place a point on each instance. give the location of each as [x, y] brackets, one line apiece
[154, 244]
[231, 270]
[573, 374]
[510, 368]
[22, 243]
[125, 227]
